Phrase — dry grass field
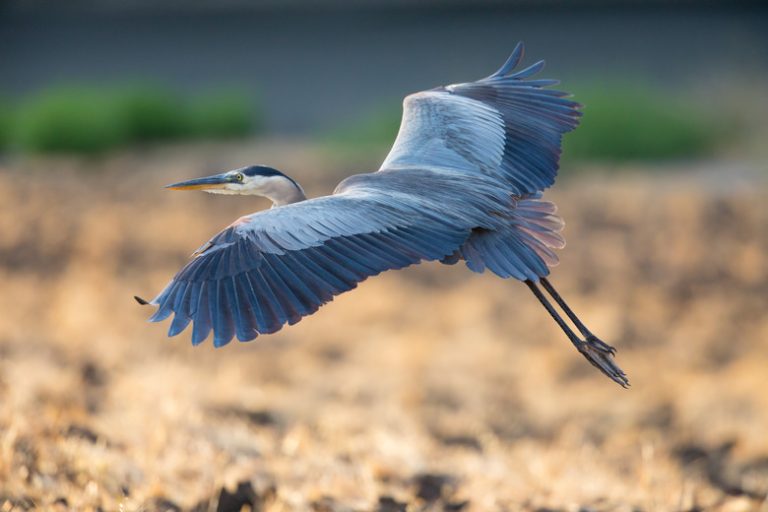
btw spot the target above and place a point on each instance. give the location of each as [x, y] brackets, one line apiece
[427, 389]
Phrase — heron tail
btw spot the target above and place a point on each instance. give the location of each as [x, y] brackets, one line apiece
[523, 247]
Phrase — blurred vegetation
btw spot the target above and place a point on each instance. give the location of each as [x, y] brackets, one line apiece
[6, 120]
[226, 114]
[372, 131]
[90, 120]
[623, 122]
[620, 123]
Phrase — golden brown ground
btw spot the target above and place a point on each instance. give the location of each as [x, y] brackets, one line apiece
[426, 389]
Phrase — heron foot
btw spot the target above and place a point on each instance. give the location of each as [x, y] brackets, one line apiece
[600, 355]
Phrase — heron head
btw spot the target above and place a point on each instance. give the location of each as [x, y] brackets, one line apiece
[258, 180]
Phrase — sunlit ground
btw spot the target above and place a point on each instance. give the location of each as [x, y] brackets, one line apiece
[426, 389]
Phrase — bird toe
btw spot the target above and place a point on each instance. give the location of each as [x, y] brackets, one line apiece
[600, 355]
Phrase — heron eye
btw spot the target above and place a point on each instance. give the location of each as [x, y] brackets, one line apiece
[239, 177]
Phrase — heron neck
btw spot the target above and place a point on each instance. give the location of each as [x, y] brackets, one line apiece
[287, 192]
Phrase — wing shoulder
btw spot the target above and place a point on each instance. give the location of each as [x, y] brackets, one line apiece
[447, 131]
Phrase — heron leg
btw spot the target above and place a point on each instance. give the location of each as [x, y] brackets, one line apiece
[591, 338]
[598, 353]
[551, 310]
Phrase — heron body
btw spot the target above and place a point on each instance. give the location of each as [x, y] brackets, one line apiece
[463, 181]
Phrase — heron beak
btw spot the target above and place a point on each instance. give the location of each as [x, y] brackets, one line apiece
[207, 183]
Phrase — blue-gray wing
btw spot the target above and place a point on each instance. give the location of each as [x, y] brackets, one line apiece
[504, 126]
[279, 265]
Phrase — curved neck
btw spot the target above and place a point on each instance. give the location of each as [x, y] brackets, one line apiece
[282, 192]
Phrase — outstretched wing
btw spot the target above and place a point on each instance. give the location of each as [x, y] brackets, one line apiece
[279, 265]
[503, 126]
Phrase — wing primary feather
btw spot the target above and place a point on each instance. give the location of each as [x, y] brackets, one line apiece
[179, 323]
[248, 325]
[315, 284]
[529, 71]
[180, 318]
[344, 258]
[285, 290]
[226, 311]
[165, 307]
[296, 282]
[192, 299]
[366, 252]
[220, 314]
[239, 310]
[283, 296]
[512, 61]
[329, 280]
[182, 289]
[202, 326]
[266, 316]
[394, 257]
[325, 258]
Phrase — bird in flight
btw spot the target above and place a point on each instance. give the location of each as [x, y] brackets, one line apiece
[462, 182]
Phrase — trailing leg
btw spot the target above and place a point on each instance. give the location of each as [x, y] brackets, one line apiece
[544, 302]
[589, 337]
[599, 354]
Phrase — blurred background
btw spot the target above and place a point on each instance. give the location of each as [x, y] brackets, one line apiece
[427, 389]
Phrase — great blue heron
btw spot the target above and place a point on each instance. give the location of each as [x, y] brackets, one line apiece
[463, 181]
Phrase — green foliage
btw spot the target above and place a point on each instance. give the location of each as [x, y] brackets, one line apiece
[623, 123]
[6, 121]
[372, 131]
[67, 119]
[149, 114]
[89, 120]
[222, 115]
